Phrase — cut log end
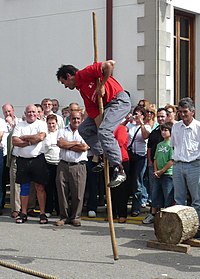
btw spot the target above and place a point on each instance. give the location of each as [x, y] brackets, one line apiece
[175, 224]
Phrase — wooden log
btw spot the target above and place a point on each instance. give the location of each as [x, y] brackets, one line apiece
[192, 242]
[182, 248]
[176, 224]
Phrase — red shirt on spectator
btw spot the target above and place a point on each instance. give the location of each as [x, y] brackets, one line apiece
[121, 136]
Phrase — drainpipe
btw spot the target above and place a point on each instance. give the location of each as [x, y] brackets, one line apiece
[109, 29]
[157, 7]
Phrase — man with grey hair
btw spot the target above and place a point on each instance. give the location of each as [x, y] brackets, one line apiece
[10, 159]
[2, 131]
[28, 137]
[185, 140]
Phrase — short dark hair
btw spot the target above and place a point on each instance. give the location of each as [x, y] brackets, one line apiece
[161, 109]
[166, 125]
[64, 70]
[55, 100]
[187, 103]
[38, 106]
[141, 109]
[52, 117]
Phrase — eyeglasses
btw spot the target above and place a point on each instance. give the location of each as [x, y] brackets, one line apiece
[148, 111]
[47, 104]
[137, 113]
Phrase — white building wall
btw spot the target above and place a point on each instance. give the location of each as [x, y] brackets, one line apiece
[191, 5]
[170, 55]
[37, 36]
[126, 39]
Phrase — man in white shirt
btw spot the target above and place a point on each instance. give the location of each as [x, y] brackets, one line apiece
[10, 159]
[71, 172]
[3, 129]
[185, 140]
[28, 136]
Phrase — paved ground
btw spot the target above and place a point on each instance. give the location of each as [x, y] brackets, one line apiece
[86, 252]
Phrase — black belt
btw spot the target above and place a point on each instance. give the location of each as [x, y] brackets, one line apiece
[186, 162]
[74, 163]
[31, 158]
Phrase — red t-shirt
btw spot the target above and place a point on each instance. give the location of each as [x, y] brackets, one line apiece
[86, 80]
[121, 136]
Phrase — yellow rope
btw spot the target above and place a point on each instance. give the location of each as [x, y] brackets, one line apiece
[27, 270]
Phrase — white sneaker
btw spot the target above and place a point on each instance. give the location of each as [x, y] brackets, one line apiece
[92, 214]
[48, 215]
[149, 219]
[118, 178]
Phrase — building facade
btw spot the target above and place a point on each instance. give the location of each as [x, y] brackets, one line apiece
[155, 44]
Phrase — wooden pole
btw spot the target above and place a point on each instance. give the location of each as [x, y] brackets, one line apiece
[106, 164]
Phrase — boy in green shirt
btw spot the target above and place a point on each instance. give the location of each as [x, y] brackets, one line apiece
[164, 189]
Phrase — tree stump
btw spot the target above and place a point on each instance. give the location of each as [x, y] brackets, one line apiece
[175, 224]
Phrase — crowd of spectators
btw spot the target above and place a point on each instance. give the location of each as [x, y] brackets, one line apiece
[45, 160]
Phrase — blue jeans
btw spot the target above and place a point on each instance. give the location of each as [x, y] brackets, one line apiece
[1, 174]
[186, 176]
[163, 192]
[139, 191]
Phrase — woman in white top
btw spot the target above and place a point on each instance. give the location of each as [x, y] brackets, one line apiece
[51, 152]
[138, 134]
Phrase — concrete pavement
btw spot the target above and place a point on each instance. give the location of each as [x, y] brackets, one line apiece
[86, 252]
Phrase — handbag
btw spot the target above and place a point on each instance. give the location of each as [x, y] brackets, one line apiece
[132, 156]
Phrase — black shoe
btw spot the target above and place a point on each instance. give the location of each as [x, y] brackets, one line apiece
[1, 211]
[119, 176]
[99, 167]
[32, 213]
[197, 235]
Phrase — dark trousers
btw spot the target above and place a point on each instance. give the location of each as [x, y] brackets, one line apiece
[5, 179]
[94, 186]
[1, 173]
[120, 195]
[51, 190]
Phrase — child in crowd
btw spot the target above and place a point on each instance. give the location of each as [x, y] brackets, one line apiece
[163, 189]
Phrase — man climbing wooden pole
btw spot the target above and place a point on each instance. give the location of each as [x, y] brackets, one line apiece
[116, 104]
[106, 164]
